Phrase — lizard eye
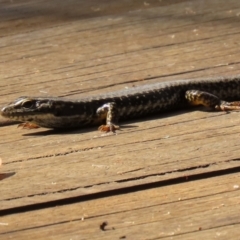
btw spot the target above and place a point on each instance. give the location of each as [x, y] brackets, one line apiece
[28, 104]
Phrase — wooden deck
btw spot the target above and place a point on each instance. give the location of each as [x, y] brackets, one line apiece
[171, 177]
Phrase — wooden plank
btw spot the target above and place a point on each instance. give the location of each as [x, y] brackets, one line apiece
[94, 53]
[193, 209]
[89, 165]
[89, 48]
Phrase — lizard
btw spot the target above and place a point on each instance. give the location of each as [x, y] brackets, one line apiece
[135, 102]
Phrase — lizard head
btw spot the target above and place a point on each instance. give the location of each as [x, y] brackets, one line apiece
[48, 112]
[27, 109]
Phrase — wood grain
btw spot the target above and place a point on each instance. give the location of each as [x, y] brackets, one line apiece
[172, 175]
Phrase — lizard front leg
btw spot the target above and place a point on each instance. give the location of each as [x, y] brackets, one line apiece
[111, 113]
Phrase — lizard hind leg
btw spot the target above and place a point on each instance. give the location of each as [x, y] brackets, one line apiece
[195, 97]
[109, 110]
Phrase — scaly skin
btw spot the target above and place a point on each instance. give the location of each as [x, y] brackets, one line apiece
[132, 103]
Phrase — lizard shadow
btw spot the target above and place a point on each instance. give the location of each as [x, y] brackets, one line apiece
[70, 131]
[60, 131]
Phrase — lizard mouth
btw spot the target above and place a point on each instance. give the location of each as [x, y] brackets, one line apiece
[15, 115]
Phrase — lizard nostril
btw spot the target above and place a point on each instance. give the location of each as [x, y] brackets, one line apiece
[4, 112]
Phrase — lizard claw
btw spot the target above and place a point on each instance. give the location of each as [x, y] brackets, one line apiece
[108, 128]
[28, 125]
